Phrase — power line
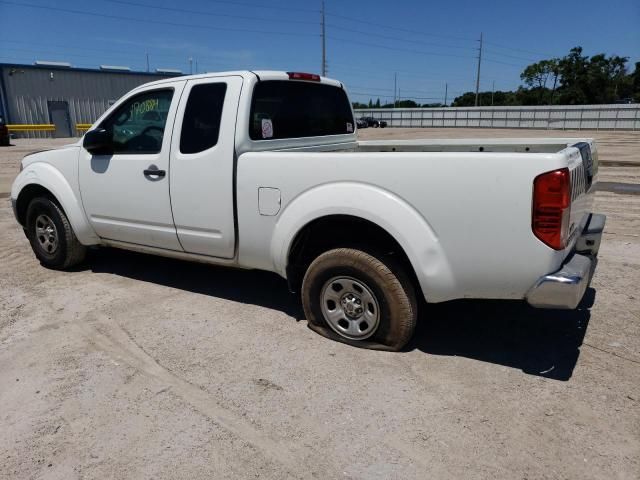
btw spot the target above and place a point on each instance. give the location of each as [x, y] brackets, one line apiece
[406, 97]
[498, 45]
[388, 37]
[420, 52]
[411, 73]
[202, 12]
[493, 52]
[491, 60]
[158, 22]
[380, 25]
[120, 53]
[107, 53]
[268, 7]
[391, 89]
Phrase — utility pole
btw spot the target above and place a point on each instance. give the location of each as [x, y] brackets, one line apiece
[190, 65]
[395, 89]
[446, 90]
[196, 66]
[493, 89]
[479, 62]
[147, 61]
[324, 43]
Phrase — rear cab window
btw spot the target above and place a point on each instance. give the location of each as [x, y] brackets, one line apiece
[201, 121]
[296, 109]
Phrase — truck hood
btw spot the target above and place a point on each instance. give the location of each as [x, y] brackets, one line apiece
[50, 155]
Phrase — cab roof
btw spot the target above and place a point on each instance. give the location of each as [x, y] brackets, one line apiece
[260, 74]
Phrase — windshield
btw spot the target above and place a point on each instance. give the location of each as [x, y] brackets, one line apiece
[290, 109]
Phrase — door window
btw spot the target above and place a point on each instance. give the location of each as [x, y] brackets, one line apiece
[201, 123]
[137, 126]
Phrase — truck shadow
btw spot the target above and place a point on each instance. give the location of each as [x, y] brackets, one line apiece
[253, 287]
[544, 343]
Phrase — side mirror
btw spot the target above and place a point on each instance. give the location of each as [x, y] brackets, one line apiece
[98, 142]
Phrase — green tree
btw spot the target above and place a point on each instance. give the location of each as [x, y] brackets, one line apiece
[406, 104]
[537, 75]
[585, 80]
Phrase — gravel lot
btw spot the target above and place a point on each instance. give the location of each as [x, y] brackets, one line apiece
[133, 366]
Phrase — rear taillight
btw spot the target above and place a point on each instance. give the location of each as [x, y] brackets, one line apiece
[311, 77]
[552, 207]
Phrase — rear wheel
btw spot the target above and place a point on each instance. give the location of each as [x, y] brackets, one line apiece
[354, 297]
[51, 236]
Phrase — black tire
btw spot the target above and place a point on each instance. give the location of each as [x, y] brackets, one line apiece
[390, 286]
[68, 251]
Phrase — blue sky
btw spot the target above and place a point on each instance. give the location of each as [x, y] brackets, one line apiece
[427, 43]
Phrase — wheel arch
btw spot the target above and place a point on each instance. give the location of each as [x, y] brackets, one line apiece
[390, 221]
[44, 179]
[28, 193]
[310, 242]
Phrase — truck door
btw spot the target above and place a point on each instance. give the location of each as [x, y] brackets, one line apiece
[126, 194]
[202, 164]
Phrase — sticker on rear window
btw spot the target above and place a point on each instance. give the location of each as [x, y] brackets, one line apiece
[349, 127]
[267, 128]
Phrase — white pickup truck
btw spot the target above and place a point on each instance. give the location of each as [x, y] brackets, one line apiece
[264, 170]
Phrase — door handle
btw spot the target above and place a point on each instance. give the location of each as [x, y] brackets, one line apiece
[154, 173]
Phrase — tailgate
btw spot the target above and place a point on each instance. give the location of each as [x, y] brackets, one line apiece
[583, 169]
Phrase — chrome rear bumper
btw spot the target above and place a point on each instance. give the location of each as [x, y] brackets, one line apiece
[565, 288]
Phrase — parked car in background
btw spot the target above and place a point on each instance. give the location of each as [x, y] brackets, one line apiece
[361, 123]
[374, 122]
[4, 133]
[263, 170]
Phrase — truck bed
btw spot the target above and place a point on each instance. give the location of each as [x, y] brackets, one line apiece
[520, 145]
[507, 145]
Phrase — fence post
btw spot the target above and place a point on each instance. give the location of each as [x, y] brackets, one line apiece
[548, 118]
[615, 122]
[534, 118]
[580, 123]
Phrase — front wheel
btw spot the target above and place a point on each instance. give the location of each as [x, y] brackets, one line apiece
[354, 297]
[51, 236]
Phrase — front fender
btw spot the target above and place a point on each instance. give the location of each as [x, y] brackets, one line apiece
[50, 178]
[406, 225]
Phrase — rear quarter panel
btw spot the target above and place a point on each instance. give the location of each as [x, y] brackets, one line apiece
[466, 225]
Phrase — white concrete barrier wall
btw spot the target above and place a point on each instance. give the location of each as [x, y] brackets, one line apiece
[563, 117]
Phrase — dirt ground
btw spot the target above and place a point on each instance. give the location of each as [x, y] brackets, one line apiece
[133, 366]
